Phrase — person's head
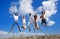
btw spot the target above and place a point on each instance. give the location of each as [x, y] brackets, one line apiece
[29, 14]
[43, 12]
[16, 14]
[23, 17]
[35, 16]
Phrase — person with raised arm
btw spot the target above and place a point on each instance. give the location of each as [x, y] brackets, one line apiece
[23, 22]
[16, 17]
[31, 21]
[43, 21]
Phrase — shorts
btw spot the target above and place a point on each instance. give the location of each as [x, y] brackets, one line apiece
[43, 21]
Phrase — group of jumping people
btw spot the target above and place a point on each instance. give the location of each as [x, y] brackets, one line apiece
[32, 20]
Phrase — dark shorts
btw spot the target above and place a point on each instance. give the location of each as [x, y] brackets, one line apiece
[43, 21]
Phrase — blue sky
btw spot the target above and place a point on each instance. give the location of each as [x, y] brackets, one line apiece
[6, 19]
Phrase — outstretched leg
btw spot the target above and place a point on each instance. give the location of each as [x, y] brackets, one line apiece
[34, 29]
[46, 25]
[29, 26]
[12, 27]
[24, 26]
[37, 27]
[33, 26]
[18, 27]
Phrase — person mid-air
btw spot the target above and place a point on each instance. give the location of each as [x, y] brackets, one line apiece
[24, 22]
[36, 23]
[43, 21]
[31, 21]
[16, 16]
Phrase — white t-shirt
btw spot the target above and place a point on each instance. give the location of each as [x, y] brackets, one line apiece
[24, 21]
[31, 19]
[16, 18]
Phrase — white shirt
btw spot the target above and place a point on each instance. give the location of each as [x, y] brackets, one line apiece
[24, 20]
[31, 19]
[16, 18]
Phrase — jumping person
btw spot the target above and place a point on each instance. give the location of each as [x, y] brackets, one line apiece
[35, 22]
[30, 21]
[24, 22]
[43, 21]
[16, 16]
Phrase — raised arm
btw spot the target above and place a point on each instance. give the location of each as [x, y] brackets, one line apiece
[20, 14]
[13, 14]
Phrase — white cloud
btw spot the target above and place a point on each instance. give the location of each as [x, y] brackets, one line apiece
[4, 34]
[13, 9]
[29, 34]
[39, 9]
[54, 0]
[50, 9]
[51, 23]
[26, 6]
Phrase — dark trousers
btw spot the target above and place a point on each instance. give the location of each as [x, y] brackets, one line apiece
[15, 23]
